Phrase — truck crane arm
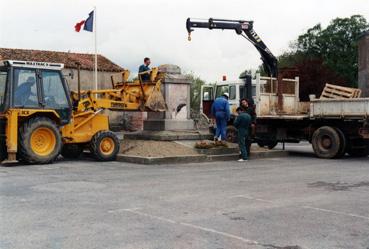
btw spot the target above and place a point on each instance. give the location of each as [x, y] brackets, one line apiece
[244, 28]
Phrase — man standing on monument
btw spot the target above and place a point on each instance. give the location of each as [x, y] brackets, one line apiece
[144, 70]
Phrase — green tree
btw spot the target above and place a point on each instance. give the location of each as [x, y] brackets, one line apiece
[197, 82]
[336, 45]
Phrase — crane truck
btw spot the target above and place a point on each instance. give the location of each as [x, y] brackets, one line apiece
[334, 127]
[41, 118]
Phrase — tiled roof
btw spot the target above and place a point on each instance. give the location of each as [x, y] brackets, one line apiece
[70, 60]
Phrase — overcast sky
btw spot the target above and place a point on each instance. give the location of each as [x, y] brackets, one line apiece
[130, 30]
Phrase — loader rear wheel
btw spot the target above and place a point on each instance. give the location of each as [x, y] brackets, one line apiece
[326, 142]
[71, 151]
[39, 141]
[105, 146]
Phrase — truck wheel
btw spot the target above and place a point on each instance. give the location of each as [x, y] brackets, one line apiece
[231, 134]
[358, 148]
[71, 151]
[261, 144]
[39, 141]
[272, 144]
[105, 146]
[343, 144]
[326, 142]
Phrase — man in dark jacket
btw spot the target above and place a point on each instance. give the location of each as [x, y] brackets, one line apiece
[242, 123]
[220, 111]
[144, 70]
[249, 107]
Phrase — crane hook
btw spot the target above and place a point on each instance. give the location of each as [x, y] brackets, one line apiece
[189, 36]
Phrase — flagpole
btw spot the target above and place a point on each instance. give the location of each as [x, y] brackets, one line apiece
[95, 41]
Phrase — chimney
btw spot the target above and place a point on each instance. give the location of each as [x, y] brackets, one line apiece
[363, 78]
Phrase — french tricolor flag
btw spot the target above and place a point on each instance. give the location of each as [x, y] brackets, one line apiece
[87, 24]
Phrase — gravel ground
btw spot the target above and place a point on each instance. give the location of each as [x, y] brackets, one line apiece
[154, 148]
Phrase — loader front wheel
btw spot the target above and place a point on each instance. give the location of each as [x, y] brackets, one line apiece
[71, 151]
[39, 141]
[105, 146]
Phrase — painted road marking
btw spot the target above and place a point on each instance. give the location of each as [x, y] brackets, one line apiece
[336, 212]
[304, 207]
[205, 229]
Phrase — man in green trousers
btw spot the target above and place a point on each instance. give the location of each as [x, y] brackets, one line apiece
[242, 123]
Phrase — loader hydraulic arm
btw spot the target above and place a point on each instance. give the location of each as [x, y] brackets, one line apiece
[244, 28]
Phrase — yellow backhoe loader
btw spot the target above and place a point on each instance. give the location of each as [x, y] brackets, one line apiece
[40, 118]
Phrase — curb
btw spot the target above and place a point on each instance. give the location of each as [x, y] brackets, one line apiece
[197, 158]
[167, 136]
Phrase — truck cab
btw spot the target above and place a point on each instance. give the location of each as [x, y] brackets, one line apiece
[34, 85]
[237, 90]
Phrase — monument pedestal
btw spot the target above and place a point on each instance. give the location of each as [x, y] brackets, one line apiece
[176, 92]
[167, 125]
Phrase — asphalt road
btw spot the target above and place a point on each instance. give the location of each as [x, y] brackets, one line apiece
[295, 202]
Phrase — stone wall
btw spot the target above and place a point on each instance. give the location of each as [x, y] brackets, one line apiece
[87, 79]
[364, 64]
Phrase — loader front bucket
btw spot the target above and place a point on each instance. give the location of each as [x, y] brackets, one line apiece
[155, 102]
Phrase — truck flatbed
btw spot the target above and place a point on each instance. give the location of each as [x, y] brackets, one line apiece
[285, 117]
[357, 108]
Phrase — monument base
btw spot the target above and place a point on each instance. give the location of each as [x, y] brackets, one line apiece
[168, 125]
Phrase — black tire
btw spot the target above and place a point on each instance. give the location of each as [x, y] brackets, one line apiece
[71, 151]
[28, 154]
[272, 144]
[261, 144]
[343, 144]
[358, 148]
[96, 147]
[326, 142]
[232, 134]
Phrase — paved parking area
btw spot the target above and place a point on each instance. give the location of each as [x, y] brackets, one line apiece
[294, 202]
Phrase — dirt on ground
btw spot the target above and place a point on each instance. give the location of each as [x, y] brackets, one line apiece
[148, 148]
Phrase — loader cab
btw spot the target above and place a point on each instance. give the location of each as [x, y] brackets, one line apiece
[237, 90]
[34, 85]
[3, 83]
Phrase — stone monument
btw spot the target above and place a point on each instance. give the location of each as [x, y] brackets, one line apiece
[364, 64]
[176, 92]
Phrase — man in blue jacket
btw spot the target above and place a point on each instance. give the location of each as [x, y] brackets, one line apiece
[220, 111]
